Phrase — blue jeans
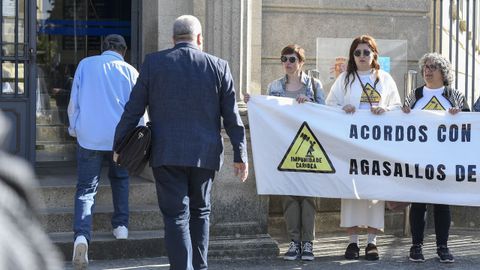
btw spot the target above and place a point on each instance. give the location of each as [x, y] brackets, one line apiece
[89, 166]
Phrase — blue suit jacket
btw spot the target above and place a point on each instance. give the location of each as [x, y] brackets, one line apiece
[187, 92]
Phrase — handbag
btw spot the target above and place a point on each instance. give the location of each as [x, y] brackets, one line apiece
[134, 150]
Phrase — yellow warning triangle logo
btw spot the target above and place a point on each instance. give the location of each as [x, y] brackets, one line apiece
[373, 94]
[434, 105]
[306, 154]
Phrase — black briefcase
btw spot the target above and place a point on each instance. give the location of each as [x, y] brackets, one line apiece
[134, 150]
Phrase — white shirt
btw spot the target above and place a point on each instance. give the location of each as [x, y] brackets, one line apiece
[433, 100]
[341, 95]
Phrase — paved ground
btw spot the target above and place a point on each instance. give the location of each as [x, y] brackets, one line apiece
[465, 246]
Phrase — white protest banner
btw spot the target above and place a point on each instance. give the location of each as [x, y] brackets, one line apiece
[316, 150]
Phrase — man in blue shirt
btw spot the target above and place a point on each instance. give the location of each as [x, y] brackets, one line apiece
[100, 90]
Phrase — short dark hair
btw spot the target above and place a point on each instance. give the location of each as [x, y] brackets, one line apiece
[114, 42]
[295, 49]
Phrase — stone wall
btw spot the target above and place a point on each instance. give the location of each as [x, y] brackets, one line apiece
[252, 38]
[286, 22]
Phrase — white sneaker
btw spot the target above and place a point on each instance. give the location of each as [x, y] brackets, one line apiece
[80, 253]
[121, 232]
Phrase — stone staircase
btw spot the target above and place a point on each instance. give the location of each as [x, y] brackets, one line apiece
[53, 143]
[238, 220]
[145, 224]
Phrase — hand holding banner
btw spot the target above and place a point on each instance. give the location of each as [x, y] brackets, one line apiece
[315, 150]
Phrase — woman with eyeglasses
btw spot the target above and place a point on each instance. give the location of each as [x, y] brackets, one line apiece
[298, 211]
[363, 86]
[436, 94]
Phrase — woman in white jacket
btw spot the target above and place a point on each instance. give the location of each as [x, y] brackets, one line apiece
[363, 86]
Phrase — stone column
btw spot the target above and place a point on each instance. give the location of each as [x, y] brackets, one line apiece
[232, 31]
[149, 27]
[239, 219]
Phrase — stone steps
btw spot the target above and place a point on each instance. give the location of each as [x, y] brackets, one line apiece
[58, 186]
[142, 217]
[55, 151]
[53, 116]
[144, 244]
[53, 133]
[59, 192]
[104, 246]
[238, 220]
[53, 143]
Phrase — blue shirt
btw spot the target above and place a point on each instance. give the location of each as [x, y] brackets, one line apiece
[100, 90]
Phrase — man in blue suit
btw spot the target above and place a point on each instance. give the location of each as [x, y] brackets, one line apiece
[188, 93]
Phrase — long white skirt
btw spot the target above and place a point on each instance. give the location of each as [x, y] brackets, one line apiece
[362, 213]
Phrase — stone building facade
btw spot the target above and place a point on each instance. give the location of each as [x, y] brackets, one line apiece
[247, 33]
[251, 33]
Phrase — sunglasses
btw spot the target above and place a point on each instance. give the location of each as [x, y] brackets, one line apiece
[291, 59]
[431, 67]
[358, 53]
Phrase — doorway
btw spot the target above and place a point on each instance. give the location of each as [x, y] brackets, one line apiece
[67, 32]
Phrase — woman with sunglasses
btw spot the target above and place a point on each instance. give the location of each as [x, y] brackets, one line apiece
[295, 83]
[298, 211]
[436, 94]
[363, 86]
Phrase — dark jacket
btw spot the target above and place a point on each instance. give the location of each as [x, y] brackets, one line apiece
[188, 93]
[455, 97]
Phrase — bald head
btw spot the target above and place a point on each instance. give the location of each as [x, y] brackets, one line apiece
[186, 28]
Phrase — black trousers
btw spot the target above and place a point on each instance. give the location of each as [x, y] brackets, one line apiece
[184, 199]
[442, 219]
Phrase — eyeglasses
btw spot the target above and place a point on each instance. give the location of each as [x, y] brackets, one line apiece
[358, 53]
[291, 59]
[431, 67]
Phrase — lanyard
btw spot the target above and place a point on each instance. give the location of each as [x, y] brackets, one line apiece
[363, 87]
